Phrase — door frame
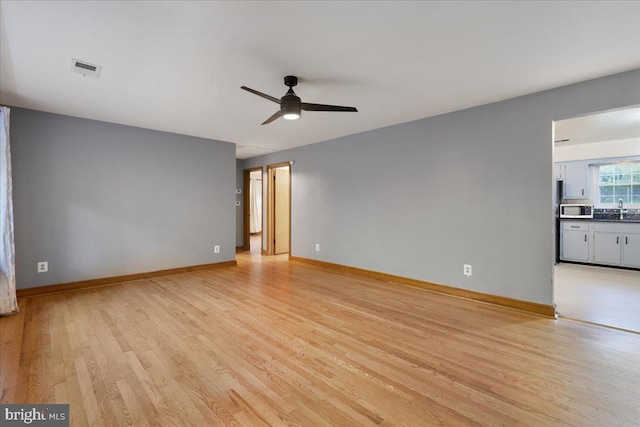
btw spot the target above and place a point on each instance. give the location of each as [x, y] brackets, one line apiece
[246, 229]
[271, 214]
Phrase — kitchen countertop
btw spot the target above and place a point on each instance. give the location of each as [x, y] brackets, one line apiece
[623, 221]
[611, 215]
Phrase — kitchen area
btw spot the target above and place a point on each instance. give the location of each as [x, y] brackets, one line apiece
[597, 233]
[602, 236]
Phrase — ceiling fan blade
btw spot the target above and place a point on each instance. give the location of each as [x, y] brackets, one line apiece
[274, 117]
[321, 107]
[264, 95]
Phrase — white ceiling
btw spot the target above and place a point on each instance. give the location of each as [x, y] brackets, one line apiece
[606, 126]
[177, 66]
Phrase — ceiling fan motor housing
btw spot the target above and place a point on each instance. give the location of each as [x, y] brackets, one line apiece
[290, 104]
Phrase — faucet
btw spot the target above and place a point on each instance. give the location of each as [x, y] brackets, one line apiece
[620, 206]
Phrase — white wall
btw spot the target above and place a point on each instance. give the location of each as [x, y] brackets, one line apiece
[598, 150]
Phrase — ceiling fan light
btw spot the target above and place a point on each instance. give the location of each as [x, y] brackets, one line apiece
[291, 107]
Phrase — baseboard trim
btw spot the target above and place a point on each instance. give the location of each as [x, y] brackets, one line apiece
[530, 307]
[108, 281]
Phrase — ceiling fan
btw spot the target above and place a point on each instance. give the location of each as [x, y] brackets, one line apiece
[291, 105]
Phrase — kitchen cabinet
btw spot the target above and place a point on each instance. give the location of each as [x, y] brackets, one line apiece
[575, 244]
[616, 244]
[606, 248]
[576, 179]
[631, 250]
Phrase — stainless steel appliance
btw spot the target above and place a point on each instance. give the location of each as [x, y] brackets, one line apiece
[576, 211]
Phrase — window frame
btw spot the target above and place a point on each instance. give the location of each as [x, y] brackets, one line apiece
[595, 179]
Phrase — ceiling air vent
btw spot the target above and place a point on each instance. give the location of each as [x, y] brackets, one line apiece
[85, 68]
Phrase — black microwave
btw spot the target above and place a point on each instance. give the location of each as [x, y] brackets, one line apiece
[576, 211]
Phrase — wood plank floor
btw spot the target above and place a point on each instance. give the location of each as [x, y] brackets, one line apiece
[272, 342]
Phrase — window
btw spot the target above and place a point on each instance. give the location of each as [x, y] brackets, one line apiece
[619, 181]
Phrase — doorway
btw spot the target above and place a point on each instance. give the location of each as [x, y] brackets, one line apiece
[598, 284]
[278, 208]
[253, 224]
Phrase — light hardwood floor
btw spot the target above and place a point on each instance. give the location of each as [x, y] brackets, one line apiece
[273, 342]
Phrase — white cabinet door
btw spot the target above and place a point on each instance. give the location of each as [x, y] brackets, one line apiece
[575, 180]
[575, 246]
[606, 248]
[631, 250]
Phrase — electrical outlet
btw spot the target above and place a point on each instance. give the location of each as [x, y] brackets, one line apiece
[467, 270]
[216, 249]
[317, 247]
[43, 267]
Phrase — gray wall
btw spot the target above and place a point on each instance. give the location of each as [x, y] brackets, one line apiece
[423, 198]
[240, 198]
[96, 199]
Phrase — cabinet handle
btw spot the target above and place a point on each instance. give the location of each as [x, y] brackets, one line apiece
[583, 191]
[618, 240]
[626, 240]
[575, 226]
[585, 237]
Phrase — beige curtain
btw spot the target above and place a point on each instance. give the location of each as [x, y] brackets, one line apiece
[8, 301]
